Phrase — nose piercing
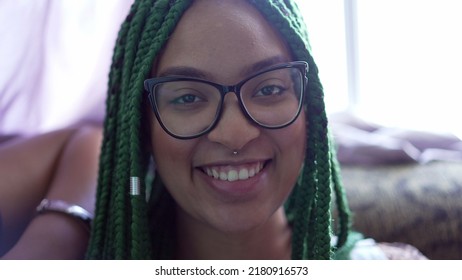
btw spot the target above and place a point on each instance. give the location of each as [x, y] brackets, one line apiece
[235, 152]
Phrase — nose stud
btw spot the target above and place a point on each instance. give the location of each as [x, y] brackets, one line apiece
[235, 153]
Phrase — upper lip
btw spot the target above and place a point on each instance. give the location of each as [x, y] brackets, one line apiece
[232, 162]
[234, 170]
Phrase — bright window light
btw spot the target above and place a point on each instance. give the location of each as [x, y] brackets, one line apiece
[326, 31]
[408, 65]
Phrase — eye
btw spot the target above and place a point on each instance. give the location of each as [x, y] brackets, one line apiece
[186, 99]
[270, 90]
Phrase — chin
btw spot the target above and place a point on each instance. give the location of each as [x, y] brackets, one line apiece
[240, 223]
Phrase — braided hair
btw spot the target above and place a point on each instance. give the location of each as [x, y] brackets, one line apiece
[137, 223]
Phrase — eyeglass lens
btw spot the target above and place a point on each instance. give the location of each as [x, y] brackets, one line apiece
[188, 107]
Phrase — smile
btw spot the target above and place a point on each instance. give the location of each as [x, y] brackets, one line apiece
[234, 173]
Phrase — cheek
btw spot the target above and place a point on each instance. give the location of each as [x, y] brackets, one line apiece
[172, 156]
[293, 141]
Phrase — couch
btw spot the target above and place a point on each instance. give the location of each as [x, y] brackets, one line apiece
[418, 204]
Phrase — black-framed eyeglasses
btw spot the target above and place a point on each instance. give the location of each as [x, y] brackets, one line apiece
[188, 107]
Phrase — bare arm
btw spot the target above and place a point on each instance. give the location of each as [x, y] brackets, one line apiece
[26, 169]
[67, 171]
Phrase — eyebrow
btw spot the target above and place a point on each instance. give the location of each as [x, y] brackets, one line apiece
[261, 65]
[192, 72]
[184, 71]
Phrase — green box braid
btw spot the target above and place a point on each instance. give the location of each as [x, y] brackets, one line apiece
[125, 226]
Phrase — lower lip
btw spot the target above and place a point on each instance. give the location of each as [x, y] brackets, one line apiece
[237, 190]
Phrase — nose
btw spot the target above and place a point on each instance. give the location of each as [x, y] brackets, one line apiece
[233, 129]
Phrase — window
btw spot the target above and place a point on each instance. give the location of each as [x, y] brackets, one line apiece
[326, 30]
[402, 59]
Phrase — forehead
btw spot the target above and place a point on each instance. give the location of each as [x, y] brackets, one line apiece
[222, 37]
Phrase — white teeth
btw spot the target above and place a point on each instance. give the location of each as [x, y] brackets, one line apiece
[233, 174]
[243, 174]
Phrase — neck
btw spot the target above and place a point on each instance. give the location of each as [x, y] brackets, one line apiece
[271, 240]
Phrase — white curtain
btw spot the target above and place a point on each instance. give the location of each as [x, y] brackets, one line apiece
[55, 58]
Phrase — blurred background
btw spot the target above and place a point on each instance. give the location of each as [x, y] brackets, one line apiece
[392, 72]
[398, 63]
[55, 57]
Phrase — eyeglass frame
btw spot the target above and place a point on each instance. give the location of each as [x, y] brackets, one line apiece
[151, 83]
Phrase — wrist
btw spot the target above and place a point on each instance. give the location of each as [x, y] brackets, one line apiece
[71, 210]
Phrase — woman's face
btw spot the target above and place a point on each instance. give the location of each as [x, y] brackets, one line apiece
[224, 42]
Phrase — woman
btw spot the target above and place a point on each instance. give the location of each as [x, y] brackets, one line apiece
[225, 98]
[241, 172]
